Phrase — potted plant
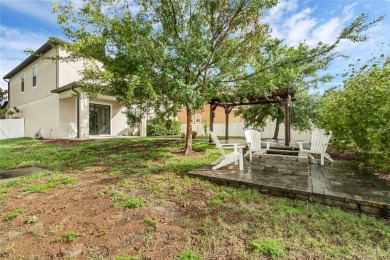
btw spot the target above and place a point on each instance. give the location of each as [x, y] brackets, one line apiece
[194, 133]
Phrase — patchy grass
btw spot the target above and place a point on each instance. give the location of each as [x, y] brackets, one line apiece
[52, 182]
[122, 200]
[151, 223]
[204, 221]
[13, 214]
[69, 236]
[189, 255]
[268, 247]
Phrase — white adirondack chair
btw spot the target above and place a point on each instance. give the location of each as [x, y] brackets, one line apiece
[225, 159]
[253, 139]
[319, 143]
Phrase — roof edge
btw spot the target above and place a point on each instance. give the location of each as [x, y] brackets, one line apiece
[66, 87]
[52, 42]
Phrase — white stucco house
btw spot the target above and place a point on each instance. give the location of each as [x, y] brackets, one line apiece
[44, 90]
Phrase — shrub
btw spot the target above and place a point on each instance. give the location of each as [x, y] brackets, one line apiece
[158, 127]
[358, 115]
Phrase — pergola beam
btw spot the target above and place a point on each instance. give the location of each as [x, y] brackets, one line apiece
[282, 97]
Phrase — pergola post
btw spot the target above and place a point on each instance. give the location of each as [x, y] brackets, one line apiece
[287, 119]
[228, 109]
[213, 107]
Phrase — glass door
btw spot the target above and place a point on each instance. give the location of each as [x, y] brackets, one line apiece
[99, 119]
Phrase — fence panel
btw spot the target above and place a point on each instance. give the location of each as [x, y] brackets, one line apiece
[11, 128]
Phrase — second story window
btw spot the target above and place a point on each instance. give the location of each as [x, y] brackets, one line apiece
[22, 82]
[34, 76]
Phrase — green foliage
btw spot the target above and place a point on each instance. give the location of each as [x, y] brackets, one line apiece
[189, 255]
[201, 49]
[70, 236]
[151, 223]
[159, 127]
[13, 214]
[269, 247]
[358, 115]
[206, 127]
[3, 98]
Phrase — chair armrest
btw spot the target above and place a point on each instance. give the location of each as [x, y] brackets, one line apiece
[235, 144]
[301, 144]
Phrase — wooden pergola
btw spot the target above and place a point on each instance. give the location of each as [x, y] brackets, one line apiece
[283, 97]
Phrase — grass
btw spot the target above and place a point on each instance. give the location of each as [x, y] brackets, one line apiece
[150, 174]
[54, 181]
[269, 247]
[13, 214]
[70, 236]
[151, 223]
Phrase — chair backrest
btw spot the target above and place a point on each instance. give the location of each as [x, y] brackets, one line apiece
[254, 138]
[217, 143]
[319, 140]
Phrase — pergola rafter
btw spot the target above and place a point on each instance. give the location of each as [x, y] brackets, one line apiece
[283, 97]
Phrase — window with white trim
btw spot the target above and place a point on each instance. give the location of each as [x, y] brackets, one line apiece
[34, 76]
[197, 119]
[22, 82]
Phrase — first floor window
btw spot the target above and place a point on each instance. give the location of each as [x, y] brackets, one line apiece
[34, 74]
[22, 82]
[196, 119]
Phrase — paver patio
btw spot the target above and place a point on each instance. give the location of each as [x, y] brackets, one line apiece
[336, 184]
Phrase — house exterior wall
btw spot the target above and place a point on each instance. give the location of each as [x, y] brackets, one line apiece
[205, 115]
[41, 114]
[68, 71]
[237, 129]
[46, 81]
[68, 117]
[55, 115]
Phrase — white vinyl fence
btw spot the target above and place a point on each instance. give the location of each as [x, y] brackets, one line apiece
[11, 128]
[237, 129]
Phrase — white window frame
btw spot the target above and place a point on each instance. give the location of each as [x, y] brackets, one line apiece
[23, 82]
[36, 76]
[198, 119]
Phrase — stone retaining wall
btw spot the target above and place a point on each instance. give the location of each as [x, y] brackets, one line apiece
[286, 164]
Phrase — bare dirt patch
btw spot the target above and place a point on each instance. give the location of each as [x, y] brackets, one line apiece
[86, 208]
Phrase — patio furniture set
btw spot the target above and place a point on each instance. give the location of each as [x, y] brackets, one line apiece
[287, 159]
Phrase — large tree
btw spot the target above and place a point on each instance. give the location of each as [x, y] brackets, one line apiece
[359, 114]
[176, 53]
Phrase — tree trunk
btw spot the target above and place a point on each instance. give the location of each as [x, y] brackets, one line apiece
[278, 120]
[276, 133]
[188, 147]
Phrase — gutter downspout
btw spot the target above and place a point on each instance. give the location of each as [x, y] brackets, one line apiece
[78, 111]
[57, 65]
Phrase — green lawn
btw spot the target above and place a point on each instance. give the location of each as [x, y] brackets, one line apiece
[219, 222]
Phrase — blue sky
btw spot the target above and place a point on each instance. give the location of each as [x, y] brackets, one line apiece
[27, 24]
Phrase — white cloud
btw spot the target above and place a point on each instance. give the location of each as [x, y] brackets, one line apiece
[276, 13]
[13, 43]
[39, 9]
[299, 26]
